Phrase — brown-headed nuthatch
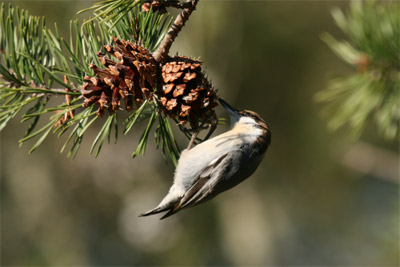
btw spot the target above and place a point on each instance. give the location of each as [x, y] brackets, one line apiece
[217, 164]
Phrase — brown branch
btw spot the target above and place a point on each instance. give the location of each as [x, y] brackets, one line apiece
[162, 5]
[178, 4]
[162, 52]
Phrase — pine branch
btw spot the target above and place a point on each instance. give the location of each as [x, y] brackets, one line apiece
[34, 69]
[162, 52]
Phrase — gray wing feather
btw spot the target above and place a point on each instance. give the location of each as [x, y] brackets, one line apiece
[222, 174]
[211, 181]
[198, 189]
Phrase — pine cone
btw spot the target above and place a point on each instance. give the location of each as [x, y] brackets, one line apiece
[132, 78]
[186, 94]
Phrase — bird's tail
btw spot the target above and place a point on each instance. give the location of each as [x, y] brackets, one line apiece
[154, 211]
[171, 208]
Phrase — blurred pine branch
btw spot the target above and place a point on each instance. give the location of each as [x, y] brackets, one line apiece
[372, 48]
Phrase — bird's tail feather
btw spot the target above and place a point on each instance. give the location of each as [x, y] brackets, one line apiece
[155, 211]
[169, 213]
[172, 208]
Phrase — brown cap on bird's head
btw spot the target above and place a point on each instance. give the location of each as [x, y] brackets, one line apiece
[237, 114]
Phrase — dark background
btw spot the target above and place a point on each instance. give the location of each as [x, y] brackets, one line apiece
[318, 198]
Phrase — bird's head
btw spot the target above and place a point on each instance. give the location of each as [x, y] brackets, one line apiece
[249, 122]
[243, 116]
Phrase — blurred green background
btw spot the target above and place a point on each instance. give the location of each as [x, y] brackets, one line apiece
[318, 198]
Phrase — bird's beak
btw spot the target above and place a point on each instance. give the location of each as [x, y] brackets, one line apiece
[231, 110]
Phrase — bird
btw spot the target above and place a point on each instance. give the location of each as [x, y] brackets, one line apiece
[217, 164]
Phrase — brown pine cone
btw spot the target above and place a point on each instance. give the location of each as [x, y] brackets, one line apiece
[186, 94]
[133, 78]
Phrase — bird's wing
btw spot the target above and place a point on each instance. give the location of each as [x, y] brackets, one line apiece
[201, 187]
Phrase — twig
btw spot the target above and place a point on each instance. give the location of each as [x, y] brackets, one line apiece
[162, 52]
[178, 4]
[211, 131]
[191, 143]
